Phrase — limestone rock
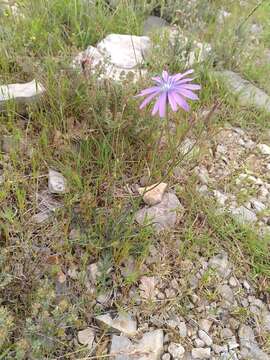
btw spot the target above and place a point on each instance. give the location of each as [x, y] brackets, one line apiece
[22, 94]
[123, 323]
[205, 337]
[57, 184]
[201, 353]
[115, 57]
[176, 350]
[243, 215]
[248, 94]
[150, 347]
[162, 216]
[153, 194]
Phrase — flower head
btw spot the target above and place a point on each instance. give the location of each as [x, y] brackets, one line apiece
[170, 89]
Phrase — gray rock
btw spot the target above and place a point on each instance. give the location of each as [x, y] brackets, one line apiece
[243, 215]
[228, 355]
[221, 264]
[205, 337]
[121, 347]
[57, 184]
[205, 324]
[162, 216]
[115, 57]
[22, 94]
[123, 323]
[249, 346]
[219, 349]
[226, 293]
[176, 350]
[233, 282]
[248, 94]
[226, 333]
[201, 353]
[153, 23]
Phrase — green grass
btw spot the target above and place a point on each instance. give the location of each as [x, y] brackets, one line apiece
[94, 134]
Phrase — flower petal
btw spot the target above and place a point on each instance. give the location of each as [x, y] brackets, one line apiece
[157, 79]
[188, 94]
[191, 86]
[165, 75]
[162, 104]
[156, 107]
[147, 100]
[179, 76]
[180, 101]
[172, 102]
[151, 90]
[186, 80]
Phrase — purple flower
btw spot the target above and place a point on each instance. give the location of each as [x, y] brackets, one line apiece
[172, 89]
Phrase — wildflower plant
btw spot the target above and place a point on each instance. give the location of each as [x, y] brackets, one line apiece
[173, 90]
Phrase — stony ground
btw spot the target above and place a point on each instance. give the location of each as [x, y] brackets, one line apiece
[118, 239]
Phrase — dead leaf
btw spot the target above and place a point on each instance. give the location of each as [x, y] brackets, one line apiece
[148, 288]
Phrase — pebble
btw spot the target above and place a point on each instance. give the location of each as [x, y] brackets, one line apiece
[205, 337]
[153, 194]
[56, 182]
[201, 353]
[162, 216]
[233, 282]
[86, 337]
[199, 343]
[226, 292]
[205, 324]
[226, 333]
[176, 350]
[182, 329]
[219, 349]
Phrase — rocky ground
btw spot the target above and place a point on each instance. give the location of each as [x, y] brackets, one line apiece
[148, 304]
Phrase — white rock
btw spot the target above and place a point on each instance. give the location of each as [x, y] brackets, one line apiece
[57, 184]
[176, 350]
[233, 282]
[219, 349]
[163, 215]
[123, 323]
[247, 93]
[151, 345]
[125, 51]
[199, 343]
[201, 353]
[226, 333]
[116, 57]
[205, 337]
[202, 174]
[220, 197]
[86, 337]
[153, 194]
[182, 329]
[264, 149]
[243, 215]
[22, 94]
